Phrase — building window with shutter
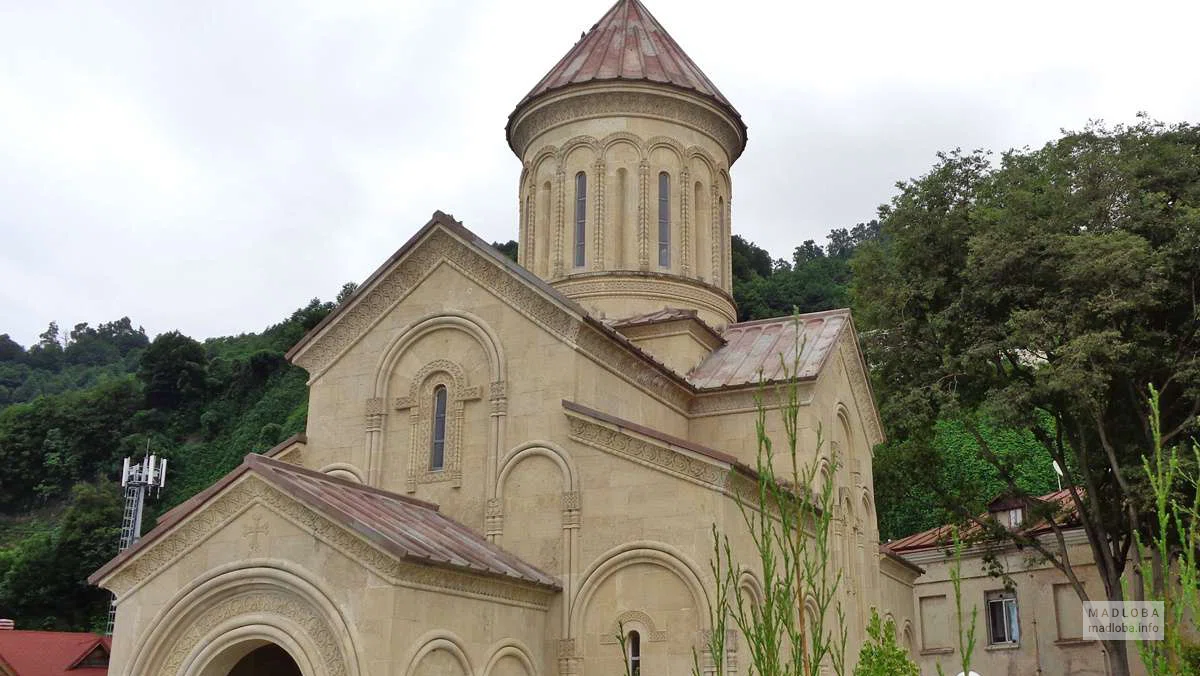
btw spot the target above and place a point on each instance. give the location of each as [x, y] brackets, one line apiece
[1004, 627]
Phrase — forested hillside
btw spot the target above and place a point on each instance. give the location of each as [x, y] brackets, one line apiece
[74, 404]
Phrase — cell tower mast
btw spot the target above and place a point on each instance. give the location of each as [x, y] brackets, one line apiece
[137, 479]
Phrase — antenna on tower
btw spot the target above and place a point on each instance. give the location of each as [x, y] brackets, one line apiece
[137, 479]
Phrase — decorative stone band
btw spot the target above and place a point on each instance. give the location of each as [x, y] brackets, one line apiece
[856, 372]
[745, 399]
[624, 99]
[405, 274]
[660, 288]
[250, 491]
[702, 471]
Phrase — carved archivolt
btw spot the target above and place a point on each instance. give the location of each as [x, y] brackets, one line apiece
[448, 374]
[494, 516]
[245, 602]
[440, 640]
[616, 137]
[511, 648]
[280, 606]
[632, 553]
[343, 470]
[634, 619]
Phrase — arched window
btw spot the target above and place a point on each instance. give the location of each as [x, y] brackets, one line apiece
[720, 272]
[580, 218]
[635, 653]
[664, 220]
[437, 442]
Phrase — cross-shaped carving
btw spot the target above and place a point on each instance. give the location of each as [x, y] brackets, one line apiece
[259, 527]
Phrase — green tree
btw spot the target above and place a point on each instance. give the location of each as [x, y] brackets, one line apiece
[47, 354]
[174, 371]
[348, 290]
[508, 248]
[43, 583]
[880, 655]
[10, 350]
[1046, 294]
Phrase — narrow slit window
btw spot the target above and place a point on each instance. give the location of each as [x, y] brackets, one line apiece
[664, 220]
[719, 273]
[635, 653]
[437, 445]
[580, 218]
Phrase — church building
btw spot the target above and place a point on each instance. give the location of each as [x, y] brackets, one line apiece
[508, 465]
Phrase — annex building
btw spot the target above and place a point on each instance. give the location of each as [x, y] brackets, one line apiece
[506, 464]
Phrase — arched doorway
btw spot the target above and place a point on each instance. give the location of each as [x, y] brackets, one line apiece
[268, 660]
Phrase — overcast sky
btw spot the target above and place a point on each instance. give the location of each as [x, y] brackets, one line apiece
[209, 166]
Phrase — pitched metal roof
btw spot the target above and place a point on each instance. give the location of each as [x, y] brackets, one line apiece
[405, 527]
[49, 653]
[763, 349]
[628, 43]
[941, 536]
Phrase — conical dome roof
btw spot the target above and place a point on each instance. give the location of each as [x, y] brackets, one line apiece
[629, 44]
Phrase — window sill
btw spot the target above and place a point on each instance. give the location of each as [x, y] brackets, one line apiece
[1003, 646]
[1074, 642]
[937, 651]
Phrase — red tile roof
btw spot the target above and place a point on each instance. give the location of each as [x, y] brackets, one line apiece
[941, 536]
[629, 44]
[49, 653]
[405, 527]
[762, 349]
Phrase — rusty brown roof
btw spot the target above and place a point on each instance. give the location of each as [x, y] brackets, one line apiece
[941, 536]
[762, 349]
[628, 43]
[405, 527]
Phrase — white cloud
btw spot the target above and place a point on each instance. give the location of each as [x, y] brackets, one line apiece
[211, 166]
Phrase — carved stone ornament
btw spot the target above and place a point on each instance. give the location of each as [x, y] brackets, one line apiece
[376, 412]
[568, 657]
[608, 103]
[260, 603]
[393, 286]
[660, 457]
[620, 359]
[570, 505]
[857, 375]
[252, 532]
[223, 509]
[652, 633]
[711, 298]
[494, 517]
[419, 401]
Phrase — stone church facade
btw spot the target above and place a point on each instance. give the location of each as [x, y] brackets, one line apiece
[504, 464]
